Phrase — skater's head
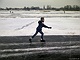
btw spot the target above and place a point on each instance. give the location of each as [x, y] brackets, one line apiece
[42, 19]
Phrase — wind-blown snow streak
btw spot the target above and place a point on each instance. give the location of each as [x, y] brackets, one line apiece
[25, 25]
[38, 49]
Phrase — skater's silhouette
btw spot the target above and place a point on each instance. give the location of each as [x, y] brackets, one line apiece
[39, 29]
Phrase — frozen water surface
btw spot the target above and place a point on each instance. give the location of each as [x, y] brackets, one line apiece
[21, 23]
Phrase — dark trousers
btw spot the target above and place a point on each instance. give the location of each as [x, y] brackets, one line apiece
[40, 31]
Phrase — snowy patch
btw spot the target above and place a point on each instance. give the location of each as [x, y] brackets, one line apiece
[24, 23]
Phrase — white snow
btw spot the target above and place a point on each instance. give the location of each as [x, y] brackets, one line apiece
[24, 23]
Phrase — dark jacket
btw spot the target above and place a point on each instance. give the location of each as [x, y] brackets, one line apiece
[40, 25]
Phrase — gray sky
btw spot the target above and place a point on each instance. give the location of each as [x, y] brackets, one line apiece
[40, 3]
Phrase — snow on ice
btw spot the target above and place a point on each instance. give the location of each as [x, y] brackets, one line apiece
[24, 23]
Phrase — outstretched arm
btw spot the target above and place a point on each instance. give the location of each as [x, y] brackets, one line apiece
[46, 26]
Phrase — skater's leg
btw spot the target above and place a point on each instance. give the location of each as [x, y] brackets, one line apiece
[30, 40]
[35, 34]
[42, 34]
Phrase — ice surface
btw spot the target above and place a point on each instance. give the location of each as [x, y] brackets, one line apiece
[24, 23]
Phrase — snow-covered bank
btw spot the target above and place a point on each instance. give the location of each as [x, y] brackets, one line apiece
[21, 23]
[38, 14]
[27, 26]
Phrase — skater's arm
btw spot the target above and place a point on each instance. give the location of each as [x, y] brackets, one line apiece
[43, 25]
[46, 26]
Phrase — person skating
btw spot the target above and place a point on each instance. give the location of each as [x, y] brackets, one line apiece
[39, 29]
